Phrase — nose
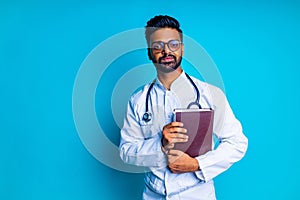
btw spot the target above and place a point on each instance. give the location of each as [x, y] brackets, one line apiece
[166, 48]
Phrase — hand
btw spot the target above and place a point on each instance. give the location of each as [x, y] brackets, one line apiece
[180, 162]
[173, 133]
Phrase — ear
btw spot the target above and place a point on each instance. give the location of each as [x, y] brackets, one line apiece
[182, 49]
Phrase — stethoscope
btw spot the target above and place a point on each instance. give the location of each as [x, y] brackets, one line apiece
[148, 116]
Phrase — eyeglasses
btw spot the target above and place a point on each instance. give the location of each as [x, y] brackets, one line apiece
[173, 45]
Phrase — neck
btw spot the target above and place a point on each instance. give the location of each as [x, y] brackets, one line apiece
[168, 78]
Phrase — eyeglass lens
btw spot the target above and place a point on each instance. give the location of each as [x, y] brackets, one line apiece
[172, 44]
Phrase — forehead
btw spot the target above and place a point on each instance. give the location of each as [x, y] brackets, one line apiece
[165, 34]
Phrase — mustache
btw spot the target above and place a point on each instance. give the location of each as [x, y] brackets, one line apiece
[167, 55]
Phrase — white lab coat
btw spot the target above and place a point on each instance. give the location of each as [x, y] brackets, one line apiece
[141, 141]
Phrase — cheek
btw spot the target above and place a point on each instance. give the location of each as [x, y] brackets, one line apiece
[178, 55]
[155, 57]
[181, 52]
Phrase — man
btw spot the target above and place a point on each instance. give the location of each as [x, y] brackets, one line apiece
[149, 133]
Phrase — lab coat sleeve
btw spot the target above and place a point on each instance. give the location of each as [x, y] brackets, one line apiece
[232, 142]
[135, 147]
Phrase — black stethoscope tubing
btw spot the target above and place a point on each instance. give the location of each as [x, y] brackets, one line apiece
[147, 115]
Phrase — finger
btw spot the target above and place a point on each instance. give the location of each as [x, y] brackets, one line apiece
[174, 152]
[176, 124]
[175, 171]
[177, 130]
[177, 140]
[172, 167]
[178, 136]
[175, 137]
[169, 146]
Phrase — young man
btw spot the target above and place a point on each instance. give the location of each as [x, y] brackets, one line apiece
[149, 133]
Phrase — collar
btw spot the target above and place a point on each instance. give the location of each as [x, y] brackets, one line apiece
[177, 83]
[182, 89]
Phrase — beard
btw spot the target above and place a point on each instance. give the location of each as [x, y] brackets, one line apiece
[167, 66]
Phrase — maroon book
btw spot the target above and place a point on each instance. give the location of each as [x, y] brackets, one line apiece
[199, 125]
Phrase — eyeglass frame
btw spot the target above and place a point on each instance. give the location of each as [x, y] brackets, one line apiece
[163, 44]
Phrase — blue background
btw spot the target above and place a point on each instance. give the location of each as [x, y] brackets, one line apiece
[42, 45]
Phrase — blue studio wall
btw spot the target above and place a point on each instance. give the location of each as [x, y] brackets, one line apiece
[43, 44]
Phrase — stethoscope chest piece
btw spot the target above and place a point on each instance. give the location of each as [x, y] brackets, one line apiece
[147, 116]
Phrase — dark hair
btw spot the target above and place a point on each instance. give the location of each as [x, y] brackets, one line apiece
[158, 22]
[161, 21]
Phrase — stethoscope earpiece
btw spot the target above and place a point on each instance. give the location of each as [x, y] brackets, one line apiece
[147, 116]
